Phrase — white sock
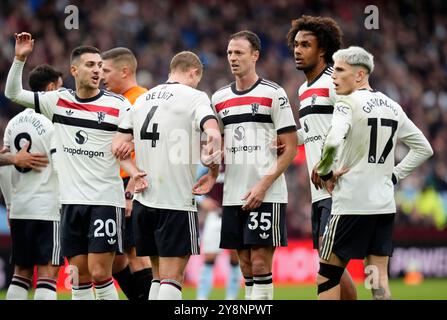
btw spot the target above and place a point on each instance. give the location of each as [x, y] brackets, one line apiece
[83, 291]
[263, 287]
[170, 290]
[248, 287]
[106, 290]
[18, 289]
[155, 288]
[45, 289]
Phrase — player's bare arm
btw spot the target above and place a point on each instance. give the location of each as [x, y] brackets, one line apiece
[138, 176]
[24, 159]
[206, 182]
[255, 196]
[122, 145]
[210, 158]
[211, 154]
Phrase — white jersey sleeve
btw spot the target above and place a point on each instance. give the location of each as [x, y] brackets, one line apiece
[202, 111]
[300, 136]
[340, 125]
[14, 89]
[420, 149]
[46, 101]
[124, 110]
[282, 115]
[219, 120]
[126, 124]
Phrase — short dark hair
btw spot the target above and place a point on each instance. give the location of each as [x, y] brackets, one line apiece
[41, 76]
[327, 31]
[119, 55]
[250, 36]
[79, 51]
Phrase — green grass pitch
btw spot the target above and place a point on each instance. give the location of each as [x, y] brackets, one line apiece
[430, 289]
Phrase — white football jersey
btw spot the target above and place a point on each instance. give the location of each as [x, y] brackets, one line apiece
[317, 101]
[366, 125]
[84, 129]
[166, 123]
[251, 120]
[34, 195]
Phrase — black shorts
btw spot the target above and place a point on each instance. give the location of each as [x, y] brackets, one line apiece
[35, 242]
[264, 227]
[358, 236]
[128, 237]
[91, 229]
[321, 211]
[165, 233]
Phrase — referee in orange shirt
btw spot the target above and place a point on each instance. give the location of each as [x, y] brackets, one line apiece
[134, 274]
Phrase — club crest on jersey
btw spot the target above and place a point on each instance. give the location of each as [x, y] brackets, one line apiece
[314, 99]
[254, 108]
[101, 116]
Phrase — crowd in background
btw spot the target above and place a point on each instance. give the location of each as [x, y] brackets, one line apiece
[410, 50]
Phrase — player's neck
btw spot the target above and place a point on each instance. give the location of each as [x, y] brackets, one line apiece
[128, 85]
[86, 93]
[246, 82]
[364, 84]
[178, 77]
[312, 74]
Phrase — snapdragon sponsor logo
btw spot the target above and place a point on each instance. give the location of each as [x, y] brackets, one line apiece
[248, 149]
[313, 139]
[84, 152]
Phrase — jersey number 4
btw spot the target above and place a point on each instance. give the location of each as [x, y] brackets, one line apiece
[154, 135]
[373, 122]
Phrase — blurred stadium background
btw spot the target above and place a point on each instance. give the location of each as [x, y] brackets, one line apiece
[410, 49]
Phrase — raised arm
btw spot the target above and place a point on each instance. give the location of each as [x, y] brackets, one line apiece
[14, 90]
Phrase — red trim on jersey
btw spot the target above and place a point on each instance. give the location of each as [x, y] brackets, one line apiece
[87, 107]
[240, 101]
[320, 92]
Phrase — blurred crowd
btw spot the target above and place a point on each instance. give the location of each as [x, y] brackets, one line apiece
[410, 49]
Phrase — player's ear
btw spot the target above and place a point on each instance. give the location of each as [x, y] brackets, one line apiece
[50, 87]
[73, 70]
[125, 71]
[255, 55]
[321, 52]
[360, 74]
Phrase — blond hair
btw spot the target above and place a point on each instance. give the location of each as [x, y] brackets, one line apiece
[185, 61]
